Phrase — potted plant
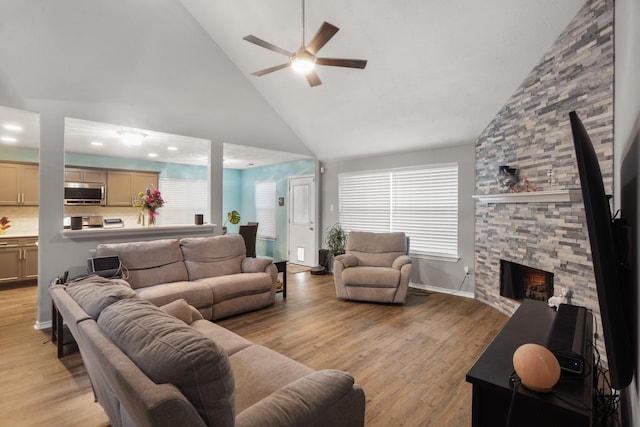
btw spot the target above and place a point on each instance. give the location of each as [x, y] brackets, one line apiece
[334, 241]
[233, 217]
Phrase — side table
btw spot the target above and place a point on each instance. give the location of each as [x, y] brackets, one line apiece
[281, 265]
[60, 335]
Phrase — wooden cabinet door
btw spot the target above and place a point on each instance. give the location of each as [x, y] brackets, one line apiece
[119, 185]
[10, 270]
[29, 260]
[72, 175]
[10, 179]
[141, 181]
[30, 185]
[91, 175]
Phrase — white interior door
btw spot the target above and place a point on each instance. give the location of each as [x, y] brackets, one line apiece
[302, 221]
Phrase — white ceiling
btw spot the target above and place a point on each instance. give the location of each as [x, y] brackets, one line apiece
[437, 72]
[104, 139]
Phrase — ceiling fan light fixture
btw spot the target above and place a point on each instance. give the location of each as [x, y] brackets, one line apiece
[303, 63]
[131, 137]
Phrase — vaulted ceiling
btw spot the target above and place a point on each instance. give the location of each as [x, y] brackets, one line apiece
[437, 73]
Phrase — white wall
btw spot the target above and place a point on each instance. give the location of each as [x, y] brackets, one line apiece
[424, 273]
[626, 132]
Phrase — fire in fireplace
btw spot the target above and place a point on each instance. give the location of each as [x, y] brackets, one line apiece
[518, 282]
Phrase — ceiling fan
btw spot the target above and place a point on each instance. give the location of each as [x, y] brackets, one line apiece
[305, 59]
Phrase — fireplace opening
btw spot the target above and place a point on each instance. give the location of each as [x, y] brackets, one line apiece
[518, 282]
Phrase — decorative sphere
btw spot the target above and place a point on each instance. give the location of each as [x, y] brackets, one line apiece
[537, 367]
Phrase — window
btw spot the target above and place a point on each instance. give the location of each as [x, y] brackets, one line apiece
[422, 202]
[183, 199]
[266, 209]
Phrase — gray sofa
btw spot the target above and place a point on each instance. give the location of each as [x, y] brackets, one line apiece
[376, 267]
[167, 366]
[212, 274]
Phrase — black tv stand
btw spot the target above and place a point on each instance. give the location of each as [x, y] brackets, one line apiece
[569, 403]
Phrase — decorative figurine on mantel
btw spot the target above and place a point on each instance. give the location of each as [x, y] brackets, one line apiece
[508, 177]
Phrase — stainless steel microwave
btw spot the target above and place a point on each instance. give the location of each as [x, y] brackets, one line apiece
[83, 193]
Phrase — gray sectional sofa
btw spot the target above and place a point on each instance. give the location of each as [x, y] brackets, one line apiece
[210, 273]
[167, 366]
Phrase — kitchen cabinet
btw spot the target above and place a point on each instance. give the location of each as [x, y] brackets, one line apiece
[123, 186]
[20, 184]
[85, 175]
[18, 259]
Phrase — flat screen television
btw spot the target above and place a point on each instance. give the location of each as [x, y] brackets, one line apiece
[607, 268]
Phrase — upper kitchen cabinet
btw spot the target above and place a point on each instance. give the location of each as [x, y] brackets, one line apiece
[123, 186]
[20, 184]
[85, 175]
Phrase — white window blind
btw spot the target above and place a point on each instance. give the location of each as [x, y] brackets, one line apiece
[183, 199]
[266, 209]
[365, 201]
[422, 202]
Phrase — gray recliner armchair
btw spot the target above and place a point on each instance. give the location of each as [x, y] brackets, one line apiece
[376, 267]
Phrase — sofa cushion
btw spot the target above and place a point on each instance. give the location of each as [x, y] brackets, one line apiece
[213, 256]
[196, 294]
[275, 371]
[238, 285]
[148, 263]
[169, 351]
[95, 293]
[376, 249]
[230, 342]
[181, 311]
[382, 277]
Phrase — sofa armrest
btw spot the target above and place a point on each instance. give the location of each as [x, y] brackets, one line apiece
[255, 265]
[400, 261]
[347, 260]
[327, 397]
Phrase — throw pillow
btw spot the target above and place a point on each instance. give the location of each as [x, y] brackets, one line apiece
[95, 293]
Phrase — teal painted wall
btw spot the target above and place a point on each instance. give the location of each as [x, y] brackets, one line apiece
[231, 200]
[30, 155]
[279, 173]
[167, 170]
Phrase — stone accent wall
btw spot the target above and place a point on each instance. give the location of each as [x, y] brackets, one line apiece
[532, 133]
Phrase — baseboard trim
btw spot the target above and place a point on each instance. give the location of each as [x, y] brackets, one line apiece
[43, 325]
[443, 290]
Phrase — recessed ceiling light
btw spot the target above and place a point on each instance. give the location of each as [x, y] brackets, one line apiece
[172, 148]
[97, 143]
[14, 128]
[8, 139]
[152, 155]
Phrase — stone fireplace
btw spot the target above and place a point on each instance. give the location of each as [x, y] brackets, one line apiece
[532, 133]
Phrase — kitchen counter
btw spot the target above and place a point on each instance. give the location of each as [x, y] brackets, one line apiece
[10, 235]
[91, 233]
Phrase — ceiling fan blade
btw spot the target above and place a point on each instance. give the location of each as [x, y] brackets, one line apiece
[266, 45]
[321, 38]
[338, 62]
[271, 69]
[313, 79]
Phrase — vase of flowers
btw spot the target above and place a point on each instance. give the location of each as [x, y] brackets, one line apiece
[150, 200]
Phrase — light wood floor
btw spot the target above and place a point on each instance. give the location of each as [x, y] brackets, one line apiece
[411, 360]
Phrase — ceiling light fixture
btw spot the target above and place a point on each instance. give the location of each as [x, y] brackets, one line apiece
[8, 139]
[152, 155]
[14, 128]
[131, 137]
[302, 62]
[97, 143]
[172, 148]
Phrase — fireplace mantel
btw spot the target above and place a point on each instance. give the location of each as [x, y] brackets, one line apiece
[556, 196]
